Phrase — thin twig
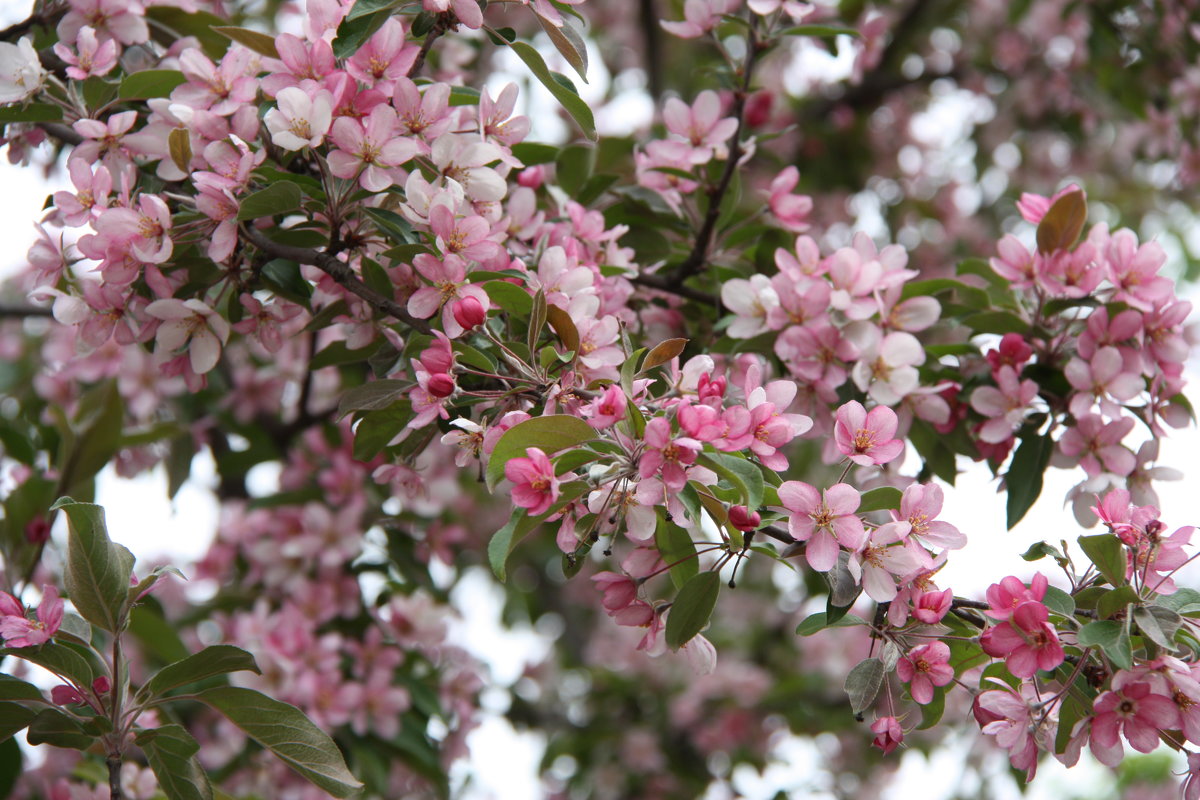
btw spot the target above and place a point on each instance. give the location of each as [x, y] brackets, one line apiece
[341, 273]
[22, 312]
[439, 27]
[699, 255]
[665, 284]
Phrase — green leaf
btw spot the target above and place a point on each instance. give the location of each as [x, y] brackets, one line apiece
[692, 608]
[745, 477]
[843, 589]
[31, 112]
[171, 751]
[884, 497]
[569, 100]
[574, 166]
[533, 153]
[1059, 601]
[1070, 712]
[1158, 624]
[283, 277]
[931, 712]
[219, 659]
[520, 525]
[261, 43]
[662, 353]
[281, 197]
[60, 659]
[1024, 476]
[1115, 601]
[1110, 636]
[97, 574]
[52, 726]
[150, 83]
[998, 322]
[1183, 601]
[550, 434]
[14, 717]
[10, 766]
[392, 225]
[175, 23]
[362, 8]
[464, 96]
[1108, 554]
[568, 42]
[97, 429]
[356, 30]
[822, 31]
[863, 682]
[154, 634]
[376, 428]
[676, 547]
[16, 689]
[285, 731]
[337, 353]
[815, 623]
[371, 396]
[510, 297]
[1042, 549]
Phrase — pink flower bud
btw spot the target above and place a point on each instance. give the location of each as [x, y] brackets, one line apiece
[64, 695]
[101, 685]
[888, 734]
[468, 312]
[37, 531]
[441, 385]
[744, 519]
[532, 177]
[758, 108]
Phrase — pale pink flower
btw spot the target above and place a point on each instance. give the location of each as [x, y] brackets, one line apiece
[864, 437]
[122, 20]
[1014, 262]
[824, 520]
[496, 118]
[924, 668]
[467, 11]
[699, 17]
[1097, 445]
[92, 57]
[752, 301]
[1004, 406]
[449, 279]
[887, 363]
[300, 120]
[1005, 596]
[1133, 270]
[387, 56]
[368, 149]
[880, 560]
[1105, 379]
[701, 125]
[608, 409]
[535, 486]
[190, 325]
[90, 196]
[1012, 723]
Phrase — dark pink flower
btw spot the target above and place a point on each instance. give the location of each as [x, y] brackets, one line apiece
[823, 520]
[535, 486]
[20, 631]
[924, 668]
[1027, 642]
[1134, 711]
[888, 734]
[744, 519]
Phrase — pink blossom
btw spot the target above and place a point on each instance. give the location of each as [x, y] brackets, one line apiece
[1137, 713]
[466, 11]
[916, 521]
[17, 630]
[450, 284]
[699, 17]
[888, 734]
[744, 519]
[790, 210]
[91, 193]
[925, 667]
[608, 409]
[665, 455]
[118, 19]
[535, 486]
[368, 149]
[1011, 721]
[1027, 642]
[1014, 262]
[1005, 406]
[864, 437]
[1105, 378]
[1013, 352]
[300, 120]
[386, 56]
[190, 325]
[1004, 597]
[91, 58]
[823, 520]
[930, 607]
[880, 560]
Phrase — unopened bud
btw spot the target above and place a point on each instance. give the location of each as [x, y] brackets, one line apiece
[101, 685]
[37, 531]
[440, 385]
[64, 695]
[469, 313]
[744, 519]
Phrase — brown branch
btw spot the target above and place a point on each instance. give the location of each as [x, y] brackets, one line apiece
[341, 273]
[22, 312]
[699, 255]
[443, 23]
[47, 16]
[666, 284]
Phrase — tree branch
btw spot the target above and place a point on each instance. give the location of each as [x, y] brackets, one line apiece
[666, 284]
[699, 255]
[22, 312]
[341, 273]
[443, 23]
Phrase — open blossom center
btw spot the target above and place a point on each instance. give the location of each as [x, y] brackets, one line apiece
[864, 439]
[301, 128]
